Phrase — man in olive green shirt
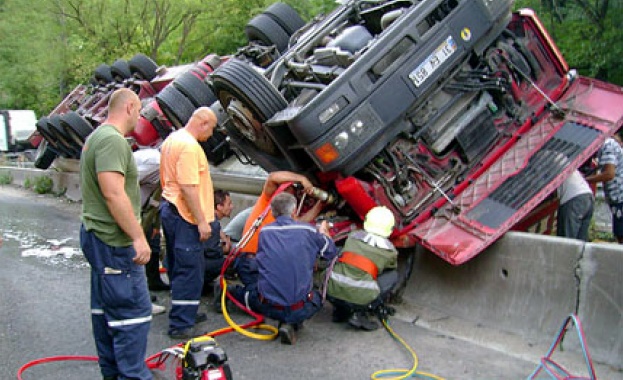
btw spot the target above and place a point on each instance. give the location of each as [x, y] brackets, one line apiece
[114, 244]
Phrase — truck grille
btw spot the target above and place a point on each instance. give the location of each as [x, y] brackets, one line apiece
[542, 168]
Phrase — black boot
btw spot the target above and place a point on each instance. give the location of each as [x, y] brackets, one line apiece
[152, 270]
[360, 320]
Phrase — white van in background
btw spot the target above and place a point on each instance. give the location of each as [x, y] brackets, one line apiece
[16, 127]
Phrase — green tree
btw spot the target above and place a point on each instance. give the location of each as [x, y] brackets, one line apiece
[588, 34]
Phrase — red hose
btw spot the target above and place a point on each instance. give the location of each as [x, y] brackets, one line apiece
[53, 359]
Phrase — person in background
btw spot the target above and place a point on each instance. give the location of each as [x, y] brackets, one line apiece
[575, 210]
[286, 257]
[218, 245]
[186, 211]
[235, 228]
[610, 173]
[148, 164]
[245, 264]
[365, 273]
[114, 244]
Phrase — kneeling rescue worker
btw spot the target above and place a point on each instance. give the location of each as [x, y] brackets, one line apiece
[286, 255]
[365, 271]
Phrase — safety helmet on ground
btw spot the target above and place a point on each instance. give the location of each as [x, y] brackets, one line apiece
[379, 221]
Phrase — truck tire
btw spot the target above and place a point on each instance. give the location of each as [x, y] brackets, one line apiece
[45, 156]
[285, 16]
[175, 106]
[42, 128]
[103, 75]
[120, 70]
[76, 127]
[143, 67]
[64, 144]
[264, 29]
[249, 99]
[196, 90]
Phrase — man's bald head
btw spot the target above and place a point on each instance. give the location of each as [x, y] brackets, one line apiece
[202, 123]
[124, 108]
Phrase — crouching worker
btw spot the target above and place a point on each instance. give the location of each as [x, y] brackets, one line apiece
[365, 272]
[286, 255]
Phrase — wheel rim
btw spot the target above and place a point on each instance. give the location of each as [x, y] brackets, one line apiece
[248, 125]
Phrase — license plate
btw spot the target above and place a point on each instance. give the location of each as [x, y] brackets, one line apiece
[433, 61]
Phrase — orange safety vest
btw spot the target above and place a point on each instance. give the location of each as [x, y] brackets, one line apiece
[360, 262]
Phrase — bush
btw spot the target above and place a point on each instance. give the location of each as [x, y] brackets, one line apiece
[43, 185]
[28, 183]
[6, 178]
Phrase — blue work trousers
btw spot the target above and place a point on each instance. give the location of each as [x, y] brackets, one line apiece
[120, 308]
[286, 314]
[246, 267]
[185, 264]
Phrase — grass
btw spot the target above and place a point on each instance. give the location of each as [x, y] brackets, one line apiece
[42, 185]
[6, 178]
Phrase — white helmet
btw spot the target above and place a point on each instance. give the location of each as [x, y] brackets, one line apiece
[379, 221]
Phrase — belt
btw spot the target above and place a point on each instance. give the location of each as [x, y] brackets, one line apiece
[293, 307]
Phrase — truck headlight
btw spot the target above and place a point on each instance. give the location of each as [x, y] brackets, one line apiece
[341, 141]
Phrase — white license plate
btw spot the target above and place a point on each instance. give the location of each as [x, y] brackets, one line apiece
[433, 61]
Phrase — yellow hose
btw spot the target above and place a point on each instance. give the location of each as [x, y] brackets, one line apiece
[402, 373]
[263, 326]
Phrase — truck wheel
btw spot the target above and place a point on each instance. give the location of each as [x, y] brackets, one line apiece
[196, 90]
[42, 127]
[285, 16]
[249, 99]
[64, 144]
[406, 258]
[175, 106]
[264, 29]
[76, 127]
[143, 67]
[45, 156]
[120, 70]
[102, 74]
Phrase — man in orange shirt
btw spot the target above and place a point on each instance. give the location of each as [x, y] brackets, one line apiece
[245, 264]
[186, 212]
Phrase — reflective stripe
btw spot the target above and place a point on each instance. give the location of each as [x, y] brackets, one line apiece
[129, 322]
[97, 311]
[360, 262]
[363, 284]
[246, 300]
[185, 302]
[289, 227]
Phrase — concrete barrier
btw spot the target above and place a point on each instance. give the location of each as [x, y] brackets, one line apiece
[527, 285]
[601, 301]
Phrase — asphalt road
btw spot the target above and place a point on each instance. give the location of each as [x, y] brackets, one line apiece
[44, 312]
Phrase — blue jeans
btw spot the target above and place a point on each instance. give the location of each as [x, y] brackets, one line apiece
[574, 217]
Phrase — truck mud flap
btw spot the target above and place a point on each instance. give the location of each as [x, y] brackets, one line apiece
[539, 161]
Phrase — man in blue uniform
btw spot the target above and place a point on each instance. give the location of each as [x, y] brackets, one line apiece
[113, 243]
[286, 256]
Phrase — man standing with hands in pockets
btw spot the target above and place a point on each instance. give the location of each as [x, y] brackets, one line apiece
[113, 243]
[186, 212]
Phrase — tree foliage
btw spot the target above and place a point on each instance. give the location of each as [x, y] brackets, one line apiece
[47, 47]
[588, 33]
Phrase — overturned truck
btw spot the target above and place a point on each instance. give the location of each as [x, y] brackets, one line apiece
[460, 116]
